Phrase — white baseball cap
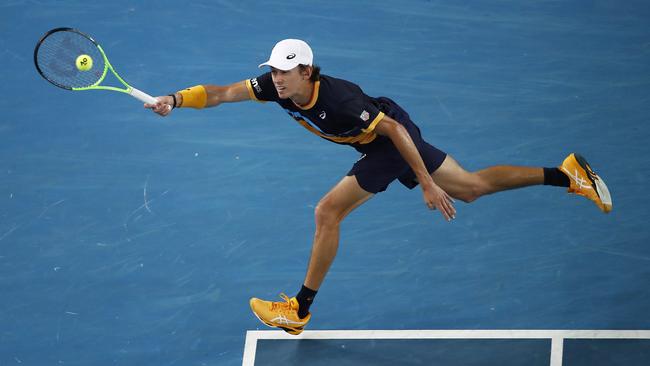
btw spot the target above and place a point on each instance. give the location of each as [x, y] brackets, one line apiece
[290, 53]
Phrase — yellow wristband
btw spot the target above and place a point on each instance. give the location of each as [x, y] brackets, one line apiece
[194, 97]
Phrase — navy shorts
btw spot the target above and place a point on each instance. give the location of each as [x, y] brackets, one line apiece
[381, 163]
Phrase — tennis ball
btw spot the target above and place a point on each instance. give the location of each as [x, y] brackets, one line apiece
[84, 62]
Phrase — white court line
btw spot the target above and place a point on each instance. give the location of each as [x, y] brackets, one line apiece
[557, 337]
[250, 347]
[557, 350]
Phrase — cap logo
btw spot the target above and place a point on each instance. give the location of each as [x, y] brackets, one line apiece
[291, 56]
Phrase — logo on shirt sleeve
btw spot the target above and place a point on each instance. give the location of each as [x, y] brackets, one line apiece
[365, 116]
[256, 85]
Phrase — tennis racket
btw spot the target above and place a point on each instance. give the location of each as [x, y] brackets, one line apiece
[55, 57]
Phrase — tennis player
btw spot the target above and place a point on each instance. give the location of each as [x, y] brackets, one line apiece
[391, 148]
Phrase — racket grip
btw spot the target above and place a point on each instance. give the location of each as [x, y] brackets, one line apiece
[142, 96]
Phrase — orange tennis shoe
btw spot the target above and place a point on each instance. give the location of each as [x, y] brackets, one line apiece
[280, 314]
[585, 182]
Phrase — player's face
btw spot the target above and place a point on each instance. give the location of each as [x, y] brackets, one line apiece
[287, 83]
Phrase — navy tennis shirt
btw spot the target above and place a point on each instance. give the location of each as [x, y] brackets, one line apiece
[338, 110]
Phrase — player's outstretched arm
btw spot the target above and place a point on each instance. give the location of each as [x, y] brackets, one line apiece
[200, 96]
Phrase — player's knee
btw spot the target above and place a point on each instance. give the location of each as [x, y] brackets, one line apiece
[326, 214]
[473, 191]
[471, 195]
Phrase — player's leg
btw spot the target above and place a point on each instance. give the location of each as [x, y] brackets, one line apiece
[330, 211]
[293, 314]
[468, 186]
[574, 173]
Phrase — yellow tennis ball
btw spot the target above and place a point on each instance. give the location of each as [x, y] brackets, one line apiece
[84, 62]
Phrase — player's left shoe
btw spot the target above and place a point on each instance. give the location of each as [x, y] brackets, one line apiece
[585, 182]
[280, 314]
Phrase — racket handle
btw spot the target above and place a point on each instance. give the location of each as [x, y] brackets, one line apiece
[142, 96]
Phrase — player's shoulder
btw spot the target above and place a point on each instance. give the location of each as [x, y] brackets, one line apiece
[338, 89]
[338, 83]
[261, 88]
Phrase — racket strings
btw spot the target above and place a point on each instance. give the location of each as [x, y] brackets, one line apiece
[57, 55]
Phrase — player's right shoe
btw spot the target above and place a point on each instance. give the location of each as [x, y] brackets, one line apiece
[585, 182]
[280, 314]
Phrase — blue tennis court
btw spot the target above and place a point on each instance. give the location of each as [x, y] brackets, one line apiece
[126, 238]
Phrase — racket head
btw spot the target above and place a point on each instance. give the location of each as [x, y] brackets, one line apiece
[56, 53]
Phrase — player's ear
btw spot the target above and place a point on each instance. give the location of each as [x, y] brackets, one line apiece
[306, 71]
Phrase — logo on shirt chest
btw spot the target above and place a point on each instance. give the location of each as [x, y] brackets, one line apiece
[322, 115]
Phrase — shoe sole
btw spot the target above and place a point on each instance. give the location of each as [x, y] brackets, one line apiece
[288, 330]
[292, 331]
[597, 183]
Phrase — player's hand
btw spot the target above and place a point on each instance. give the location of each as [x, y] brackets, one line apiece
[436, 198]
[163, 107]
